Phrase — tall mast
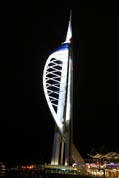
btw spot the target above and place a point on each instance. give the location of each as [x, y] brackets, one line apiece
[69, 30]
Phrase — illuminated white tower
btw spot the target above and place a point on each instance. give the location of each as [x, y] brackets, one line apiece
[58, 89]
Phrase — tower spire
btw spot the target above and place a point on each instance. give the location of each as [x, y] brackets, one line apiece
[69, 30]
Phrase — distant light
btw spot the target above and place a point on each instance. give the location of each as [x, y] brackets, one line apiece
[74, 164]
[111, 163]
[63, 169]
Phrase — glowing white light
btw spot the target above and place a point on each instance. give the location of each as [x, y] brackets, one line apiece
[54, 82]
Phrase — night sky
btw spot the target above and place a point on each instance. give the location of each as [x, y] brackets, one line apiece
[30, 32]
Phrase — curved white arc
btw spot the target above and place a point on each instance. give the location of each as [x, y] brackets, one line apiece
[60, 56]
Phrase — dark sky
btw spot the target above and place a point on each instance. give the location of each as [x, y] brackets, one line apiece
[30, 31]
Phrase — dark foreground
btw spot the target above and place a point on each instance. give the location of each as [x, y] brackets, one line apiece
[34, 174]
[18, 174]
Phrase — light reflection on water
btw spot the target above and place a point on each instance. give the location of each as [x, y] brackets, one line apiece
[18, 174]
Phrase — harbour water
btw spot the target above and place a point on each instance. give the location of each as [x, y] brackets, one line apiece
[34, 174]
[18, 174]
[60, 172]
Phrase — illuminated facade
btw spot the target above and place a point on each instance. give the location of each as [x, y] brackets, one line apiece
[58, 89]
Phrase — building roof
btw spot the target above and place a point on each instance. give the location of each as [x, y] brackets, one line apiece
[110, 155]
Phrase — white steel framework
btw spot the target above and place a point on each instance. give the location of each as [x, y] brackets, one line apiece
[58, 89]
